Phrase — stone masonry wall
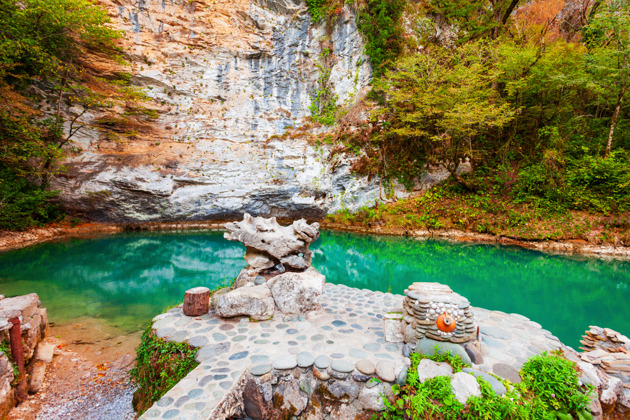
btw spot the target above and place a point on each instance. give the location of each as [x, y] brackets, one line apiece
[34, 327]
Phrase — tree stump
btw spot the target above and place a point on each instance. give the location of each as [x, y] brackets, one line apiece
[197, 301]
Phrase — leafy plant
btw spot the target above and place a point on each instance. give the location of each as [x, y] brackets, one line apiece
[549, 390]
[5, 348]
[160, 365]
[554, 380]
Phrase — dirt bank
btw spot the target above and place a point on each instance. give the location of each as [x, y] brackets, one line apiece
[569, 247]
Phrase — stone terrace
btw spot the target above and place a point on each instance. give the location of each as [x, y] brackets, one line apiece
[346, 338]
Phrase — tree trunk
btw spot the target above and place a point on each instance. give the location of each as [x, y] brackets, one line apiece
[613, 123]
[197, 301]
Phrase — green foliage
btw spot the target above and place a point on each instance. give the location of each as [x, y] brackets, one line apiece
[435, 107]
[600, 184]
[24, 204]
[42, 40]
[45, 37]
[5, 347]
[160, 365]
[455, 361]
[554, 380]
[316, 9]
[324, 103]
[380, 24]
[549, 389]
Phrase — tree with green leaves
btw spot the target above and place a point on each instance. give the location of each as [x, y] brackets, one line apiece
[441, 102]
[43, 42]
[608, 38]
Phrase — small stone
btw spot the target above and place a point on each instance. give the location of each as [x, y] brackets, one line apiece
[385, 369]
[164, 402]
[372, 347]
[359, 354]
[198, 341]
[359, 377]
[285, 362]
[366, 366]
[496, 384]
[402, 377]
[239, 356]
[321, 374]
[372, 383]
[406, 350]
[344, 391]
[370, 397]
[428, 369]
[464, 386]
[305, 359]
[342, 366]
[194, 393]
[322, 362]
[506, 372]
[170, 414]
[260, 370]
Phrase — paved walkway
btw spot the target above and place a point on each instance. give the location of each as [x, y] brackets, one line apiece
[348, 330]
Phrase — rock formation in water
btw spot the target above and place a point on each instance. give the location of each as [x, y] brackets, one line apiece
[265, 286]
[227, 127]
[269, 244]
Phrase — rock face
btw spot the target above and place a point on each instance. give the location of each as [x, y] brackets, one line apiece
[265, 284]
[229, 86]
[232, 83]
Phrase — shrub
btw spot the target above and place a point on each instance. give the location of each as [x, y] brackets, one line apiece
[160, 365]
[23, 204]
[549, 390]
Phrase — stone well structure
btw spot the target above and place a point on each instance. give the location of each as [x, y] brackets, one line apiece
[279, 277]
[433, 310]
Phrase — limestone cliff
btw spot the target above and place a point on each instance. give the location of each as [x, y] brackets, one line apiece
[230, 85]
[231, 82]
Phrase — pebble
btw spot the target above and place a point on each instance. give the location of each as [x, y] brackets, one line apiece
[366, 366]
[305, 359]
[342, 366]
[260, 370]
[284, 362]
[385, 369]
[322, 362]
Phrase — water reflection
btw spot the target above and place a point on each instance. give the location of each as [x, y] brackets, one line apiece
[124, 279]
[129, 278]
[565, 295]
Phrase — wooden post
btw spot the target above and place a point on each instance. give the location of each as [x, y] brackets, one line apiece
[17, 352]
[196, 301]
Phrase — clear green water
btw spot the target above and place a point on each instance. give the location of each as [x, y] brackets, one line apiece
[127, 279]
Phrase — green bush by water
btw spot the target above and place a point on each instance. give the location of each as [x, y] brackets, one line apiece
[160, 365]
[549, 390]
[24, 204]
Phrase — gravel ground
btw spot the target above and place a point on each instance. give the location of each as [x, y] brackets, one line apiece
[77, 388]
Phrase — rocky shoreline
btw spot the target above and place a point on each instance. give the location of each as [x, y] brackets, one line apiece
[566, 247]
[11, 240]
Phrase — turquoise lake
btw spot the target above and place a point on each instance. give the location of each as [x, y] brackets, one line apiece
[127, 279]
